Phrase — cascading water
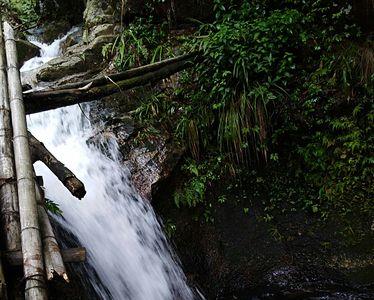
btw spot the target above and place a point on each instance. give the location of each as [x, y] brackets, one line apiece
[125, 242]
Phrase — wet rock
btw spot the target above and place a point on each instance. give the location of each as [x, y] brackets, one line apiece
[150, 154]
[76, 59]
[72, 39]
[100, 17]
[115, 129]
[60, 67]
[150, 160]
[26, 50]
[282, 277]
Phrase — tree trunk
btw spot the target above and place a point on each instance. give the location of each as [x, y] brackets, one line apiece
[96, 89]
[30, 234]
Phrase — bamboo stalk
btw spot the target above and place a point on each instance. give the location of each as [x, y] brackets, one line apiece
[71, 255]
[40, 153]
[52, 254]
[30, 233]
[8, 191]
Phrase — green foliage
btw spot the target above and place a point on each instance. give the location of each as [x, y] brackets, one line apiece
[285, 84]
[285, 80]
[170, 228]
[335, 136]
[202, 176]
[158, 108]
[53, 207]
[252, 55]
[25, 10]
[140, 43]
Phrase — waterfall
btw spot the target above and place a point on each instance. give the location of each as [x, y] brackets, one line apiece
[124, 240]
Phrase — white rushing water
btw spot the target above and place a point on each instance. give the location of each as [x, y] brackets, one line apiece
[47, 51]
[125, 242]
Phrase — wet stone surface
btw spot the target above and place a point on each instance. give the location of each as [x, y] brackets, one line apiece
[150, 156]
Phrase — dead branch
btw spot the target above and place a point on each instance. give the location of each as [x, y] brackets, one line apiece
[40, 153]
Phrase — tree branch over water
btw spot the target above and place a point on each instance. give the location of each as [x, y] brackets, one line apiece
[98, 88]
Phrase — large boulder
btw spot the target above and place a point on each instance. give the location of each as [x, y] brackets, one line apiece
[77, 58]
[150, 160]
[100, 17]
[26, 50]
[60, 67]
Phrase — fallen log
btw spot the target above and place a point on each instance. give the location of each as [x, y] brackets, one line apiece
[71, 94]
[33, 265]
[71, 255]
[40, 153]
[53, 261]
[135, 72]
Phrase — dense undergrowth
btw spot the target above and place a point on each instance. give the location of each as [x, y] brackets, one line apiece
[284, 86]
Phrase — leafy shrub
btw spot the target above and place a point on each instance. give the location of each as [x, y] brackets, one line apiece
[24, 10]
[286, 77]
[140, 43]
[287, 82]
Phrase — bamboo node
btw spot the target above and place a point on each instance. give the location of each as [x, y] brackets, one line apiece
[13, 99]
[30, 227]
[9, 39]
[35, 277]
[20, 136]
[12, 67]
